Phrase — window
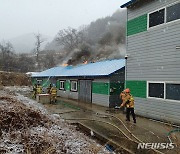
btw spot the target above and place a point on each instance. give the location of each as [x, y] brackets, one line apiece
[39, 81]
[164, 90]
[173, 91]
[173, 12]
[157, 18]
[156, 90]
[62, 85]
[165, 15]
[73, 85]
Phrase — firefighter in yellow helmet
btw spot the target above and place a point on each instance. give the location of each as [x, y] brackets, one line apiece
[128, 102]
[34, 91]
[39, 89]
[53, 94]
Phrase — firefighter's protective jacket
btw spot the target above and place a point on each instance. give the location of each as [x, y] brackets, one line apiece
[53, 91]
[39, 89]
[129, 101]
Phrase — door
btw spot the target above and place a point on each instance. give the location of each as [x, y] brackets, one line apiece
[85, 91]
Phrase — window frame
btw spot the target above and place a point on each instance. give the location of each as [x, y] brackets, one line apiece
[62, 88]
[76, 82]
[156, 82]
[163, 99]
[154, 12]
[166, 13]
[39, 81]
[172, 99]
[165, 16]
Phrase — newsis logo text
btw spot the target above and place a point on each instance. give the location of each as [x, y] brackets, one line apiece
[156, 146]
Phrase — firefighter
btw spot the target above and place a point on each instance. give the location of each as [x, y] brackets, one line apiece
[129, 104]
[122, 97]
[39, 89]
[53, 94]
[49, 88]
[34, 91]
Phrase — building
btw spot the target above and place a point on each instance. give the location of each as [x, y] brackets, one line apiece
[98, 83]
[153, 63]
[47, 77]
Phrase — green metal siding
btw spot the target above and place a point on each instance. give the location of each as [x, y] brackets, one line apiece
[34, 81]
[137, 25]
[138, 88]
[67, 85]
[116, 87]
[100, 88]
[58, 84]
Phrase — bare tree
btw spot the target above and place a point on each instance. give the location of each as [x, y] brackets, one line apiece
[48, 59]
[39, 41]
[70, 38]
[24, 63]
[6, 49]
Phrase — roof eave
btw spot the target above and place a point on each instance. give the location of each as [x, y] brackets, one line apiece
[128, 3]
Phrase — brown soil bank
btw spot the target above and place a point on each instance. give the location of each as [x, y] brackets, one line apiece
[14, 79]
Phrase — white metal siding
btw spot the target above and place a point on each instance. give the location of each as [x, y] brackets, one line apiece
[158, 109]
[148, 6]
[153, 57]
[100, 99]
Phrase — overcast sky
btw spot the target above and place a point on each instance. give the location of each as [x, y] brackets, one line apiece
[18, 17]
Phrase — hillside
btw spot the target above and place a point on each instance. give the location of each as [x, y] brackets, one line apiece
[101, 39]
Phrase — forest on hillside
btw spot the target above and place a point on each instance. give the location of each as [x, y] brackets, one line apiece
[101, 39]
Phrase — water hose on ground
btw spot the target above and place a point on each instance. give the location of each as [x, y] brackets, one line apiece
[139, 141]
[123, 125]
[105, 123]
[102, 122]
[106, 115]
[114, 127]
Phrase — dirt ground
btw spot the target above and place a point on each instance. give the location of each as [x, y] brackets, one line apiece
[27, 127]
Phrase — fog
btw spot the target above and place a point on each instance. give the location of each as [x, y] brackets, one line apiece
[19, 17]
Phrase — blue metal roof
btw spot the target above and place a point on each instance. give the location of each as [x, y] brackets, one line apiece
[102, 68]
[128, 3]
[52, 71]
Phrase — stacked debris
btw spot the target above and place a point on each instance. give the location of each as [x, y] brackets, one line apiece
[26, 127]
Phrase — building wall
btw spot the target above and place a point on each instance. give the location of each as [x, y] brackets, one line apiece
[100, 92]
[152, 56]
[116, 87]
[67, 93]
[44, 82]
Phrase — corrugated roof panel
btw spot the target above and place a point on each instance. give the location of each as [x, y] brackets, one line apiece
[102, 68]
[55, 71]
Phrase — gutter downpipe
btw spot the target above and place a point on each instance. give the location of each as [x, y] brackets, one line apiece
[126, 55]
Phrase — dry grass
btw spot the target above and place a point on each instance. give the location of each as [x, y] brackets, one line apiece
[16, 120]
[14, 79]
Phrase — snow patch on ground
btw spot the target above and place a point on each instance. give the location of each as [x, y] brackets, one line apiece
[57, 135]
